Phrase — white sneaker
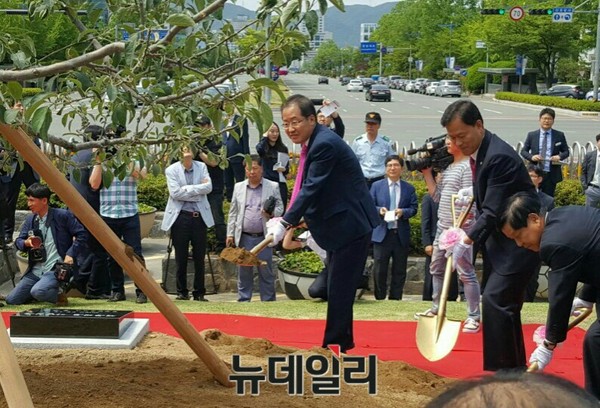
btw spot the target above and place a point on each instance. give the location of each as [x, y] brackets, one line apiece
[427, 313]
[471, 326]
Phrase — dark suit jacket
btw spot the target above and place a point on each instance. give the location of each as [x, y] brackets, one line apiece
[559, 147]
[334, 199]
[380, 192]
[429, 219]
[68, 234]
[499, 173]
[573, 254]
[588, 168]
[547, 200]
[241, 144]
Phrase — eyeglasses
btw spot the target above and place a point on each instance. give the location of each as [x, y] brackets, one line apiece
[294, 124]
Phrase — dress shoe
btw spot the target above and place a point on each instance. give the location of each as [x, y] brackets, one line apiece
[200, 298]
[97, 297]
[182, 297]
[117, 297]
[141, 298]
[62, 300]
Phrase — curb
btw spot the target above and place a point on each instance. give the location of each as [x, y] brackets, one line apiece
[559, 110]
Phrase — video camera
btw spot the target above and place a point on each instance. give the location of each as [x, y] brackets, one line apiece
[434, 154]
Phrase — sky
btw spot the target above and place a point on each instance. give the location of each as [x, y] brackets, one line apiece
[253, 4]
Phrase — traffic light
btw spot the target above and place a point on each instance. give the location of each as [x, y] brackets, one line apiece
[541, 12]
[493, 11]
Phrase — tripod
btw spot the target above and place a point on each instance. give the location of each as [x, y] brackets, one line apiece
[165, 271]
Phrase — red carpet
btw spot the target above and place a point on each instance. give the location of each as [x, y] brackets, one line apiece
[392, 341]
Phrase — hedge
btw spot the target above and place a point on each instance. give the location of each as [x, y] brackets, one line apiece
[551, 101]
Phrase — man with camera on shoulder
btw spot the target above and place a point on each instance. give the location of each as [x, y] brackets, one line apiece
[52, 238]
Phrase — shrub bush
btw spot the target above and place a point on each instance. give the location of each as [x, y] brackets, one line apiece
[569, 192]
[551, 101]
[153, 191]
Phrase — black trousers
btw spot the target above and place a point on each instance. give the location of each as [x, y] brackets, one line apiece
[215, 199]
[232, 174]
[512, 267]
[547, 185]
[345, 267]
[591, 357]
[93, 270]
[390, 247]
[189, 229]
[532, 285]
[26, 176]
[318, 289]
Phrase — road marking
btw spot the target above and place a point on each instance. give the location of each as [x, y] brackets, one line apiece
[441, 111]
[493, 111]
[425, 107]
[384, 109]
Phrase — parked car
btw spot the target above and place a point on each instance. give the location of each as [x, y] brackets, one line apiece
[418, 84]
[409, 86]
[344, 80]
[355, 85]
[448, 87]
[590, 94]
[564, 91]
[378, 92]
[430, 90]
[323, 80]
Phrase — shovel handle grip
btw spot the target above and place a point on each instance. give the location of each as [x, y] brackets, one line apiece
[262, 244]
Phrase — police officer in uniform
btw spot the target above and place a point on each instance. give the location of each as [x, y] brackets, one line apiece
[371, 149]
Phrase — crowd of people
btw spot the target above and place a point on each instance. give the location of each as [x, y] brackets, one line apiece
[352, 199]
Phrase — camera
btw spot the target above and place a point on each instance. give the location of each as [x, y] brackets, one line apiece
[434, 154]
[37, 253]
[269, 205]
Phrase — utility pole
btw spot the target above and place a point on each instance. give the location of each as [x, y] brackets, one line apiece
[268, 59]
[597, 54]
[381, 57]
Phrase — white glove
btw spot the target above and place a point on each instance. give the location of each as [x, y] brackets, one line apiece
[542, 356]
[464, 196]
[459, 251]
[277, 230]
[580, 304]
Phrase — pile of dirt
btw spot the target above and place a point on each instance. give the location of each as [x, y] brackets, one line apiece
[239, 256]
[163, 372]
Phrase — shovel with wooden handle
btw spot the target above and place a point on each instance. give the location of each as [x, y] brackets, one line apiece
[243, 257]
[437, 335]
[573, 323]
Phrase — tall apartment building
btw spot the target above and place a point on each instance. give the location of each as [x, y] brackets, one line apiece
[366, 29]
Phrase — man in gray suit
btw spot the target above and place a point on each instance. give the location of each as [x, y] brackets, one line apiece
[590, 176]
[247, 227]
[188, 215]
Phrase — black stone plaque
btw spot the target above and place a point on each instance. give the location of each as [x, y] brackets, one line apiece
[103, 324]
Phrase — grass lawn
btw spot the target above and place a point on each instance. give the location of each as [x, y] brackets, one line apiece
[301, 309]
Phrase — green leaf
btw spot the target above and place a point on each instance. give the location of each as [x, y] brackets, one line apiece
[20, 60]
[200, 4]
[289, 12]
[119, 115]
[180, 20]
[41, 120]
[34, 103]
[269, 83]
[190, 46]
[10, 116]
[107, 178]
[323, 6]
[15, 90]
[339, 4]
[111, 91]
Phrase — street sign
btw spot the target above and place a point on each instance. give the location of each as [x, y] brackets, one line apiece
[480, 44]
[368, 47]
[562, 15]
[383, 50]
[516, 13]
[155, 35]
[463, 72]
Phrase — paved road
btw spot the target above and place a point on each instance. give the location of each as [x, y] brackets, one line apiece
[413, 117]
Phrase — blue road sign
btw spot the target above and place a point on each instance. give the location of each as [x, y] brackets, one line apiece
[368, 47]
[155, 35]
[463, 72]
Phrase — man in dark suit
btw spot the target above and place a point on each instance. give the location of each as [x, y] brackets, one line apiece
[237, 142]
[547, 147]
[537, 177]
[573, 253]
[499, 172]
[429, 210]
[337, 207]
[391, 238]
[590, 176]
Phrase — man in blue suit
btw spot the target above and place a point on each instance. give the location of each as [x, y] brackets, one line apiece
[396, 201]
[498, 173]
[548, 157]
[236, 141]
[337, 208]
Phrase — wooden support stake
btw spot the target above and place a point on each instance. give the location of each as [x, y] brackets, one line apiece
[12, 380]
[116, 248]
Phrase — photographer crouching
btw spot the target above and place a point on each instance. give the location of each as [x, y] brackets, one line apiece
[52, 238]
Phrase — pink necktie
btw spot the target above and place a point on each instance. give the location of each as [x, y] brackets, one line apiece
[299, 175]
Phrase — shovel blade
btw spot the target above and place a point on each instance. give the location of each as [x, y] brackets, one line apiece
[433, 345]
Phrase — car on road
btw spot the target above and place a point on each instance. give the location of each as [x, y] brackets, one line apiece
[323, 80]
[378, 92]
[344, 80]
[355, 85]
[430, 90]
[367, 82]
[564, 91]
[448, 87]
[409, 86]
[589, 96]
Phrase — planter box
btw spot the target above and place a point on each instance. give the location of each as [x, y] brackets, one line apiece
[146, 223]
[295, 284]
